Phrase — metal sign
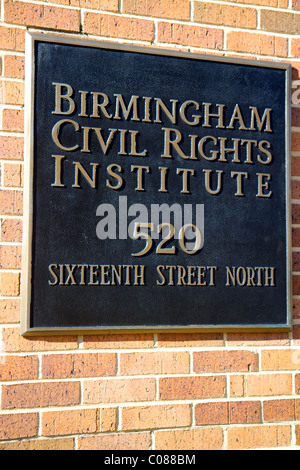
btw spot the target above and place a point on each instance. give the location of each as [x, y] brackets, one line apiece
[157, 190]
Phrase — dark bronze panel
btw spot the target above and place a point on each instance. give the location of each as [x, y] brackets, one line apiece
[126, 127]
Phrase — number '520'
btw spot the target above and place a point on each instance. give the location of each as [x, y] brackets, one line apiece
[161, 249]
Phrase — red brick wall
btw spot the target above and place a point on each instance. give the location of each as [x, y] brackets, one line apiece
[147, 391]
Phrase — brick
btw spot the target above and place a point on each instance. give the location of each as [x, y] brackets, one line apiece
[41, 16]
[16, 343]
[295, 189]
[295, 166]
[225, 361]
[11, 148]
[296, 336]
[13, 92]
[35, 444]
[183, 388]
[297, 432]
[12, 39]
[18, 367]
[11, 202]
[155, 417]
[128, 341]
[9, 284]
[14, 66]
[57, 366]
[236, 412]
[190, 439]
[10, 257]
[12, 175]
[281, 410]
[244, 412]
[277, 360]
[13, 120]
[297, 384]
[183, 340]
[187, 35]
[296, 309]
[118, 390]
[64, 422]
[18, 426]
[211, 413]
[9, 310]
[295, 47]
[225, 15]
[256, 43]
[296, 117]
[172, 9]
[257, 339]
[295, 142]
[296, 230]
[11, 230]
[280, 22]
[296, 285]
[268, 3]
[260, 385]
[296, 4]
[154, 363]
[75, 3]
[104, 5]
[257, 437]
[295, 72]
[119, 441]
[296, 261]
[36, 395]
[237, 386]
[295, 220]
[118, 26]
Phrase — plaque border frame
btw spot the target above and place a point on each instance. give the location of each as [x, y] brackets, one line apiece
[26, 329]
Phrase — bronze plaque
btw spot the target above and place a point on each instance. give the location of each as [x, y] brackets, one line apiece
[157, 190]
